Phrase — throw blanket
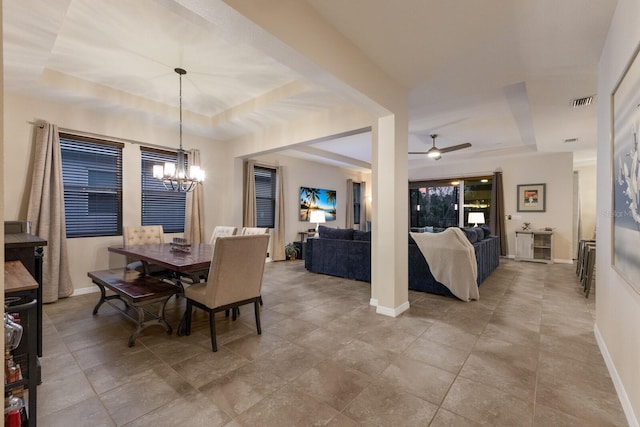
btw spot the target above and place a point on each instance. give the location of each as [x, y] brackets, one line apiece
[452, 261]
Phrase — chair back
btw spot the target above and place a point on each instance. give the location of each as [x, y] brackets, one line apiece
[222, 231]
[143, 235]
[253, 230]
[236, 269]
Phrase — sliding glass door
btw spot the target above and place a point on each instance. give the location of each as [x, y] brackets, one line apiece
[438, 203]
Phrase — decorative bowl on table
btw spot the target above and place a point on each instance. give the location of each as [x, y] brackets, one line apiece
[180, 245]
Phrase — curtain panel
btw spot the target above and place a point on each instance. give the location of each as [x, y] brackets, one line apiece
[249, 212]
[496, 216]
[363, 206]
[349, 209]
[194, 212]
[278, 232]
[46, 212]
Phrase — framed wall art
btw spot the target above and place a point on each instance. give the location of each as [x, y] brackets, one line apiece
[625, 167]
[314, 199]
[532, 197]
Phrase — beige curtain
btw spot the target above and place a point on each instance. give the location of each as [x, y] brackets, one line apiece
[496, 216]
[349, 214]
[194, 213]
[363, 206]
[249, 212]
[278, 232]
[46, 213]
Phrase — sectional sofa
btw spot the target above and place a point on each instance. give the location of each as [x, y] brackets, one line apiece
[347, 253]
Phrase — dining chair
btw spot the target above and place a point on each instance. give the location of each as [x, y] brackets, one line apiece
[144, 235]
[235, 279]
[222, 231]
[218, 231]
[253, 230]
[246, 231]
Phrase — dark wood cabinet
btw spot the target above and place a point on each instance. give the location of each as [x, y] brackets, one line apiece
[21, 303]
[27, 249]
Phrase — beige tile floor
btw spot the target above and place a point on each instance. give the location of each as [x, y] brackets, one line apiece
[524, 355]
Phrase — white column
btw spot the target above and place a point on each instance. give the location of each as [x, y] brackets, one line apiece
[390, 225]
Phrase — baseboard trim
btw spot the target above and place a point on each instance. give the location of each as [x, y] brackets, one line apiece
[373, 302]
[84, 291]
[617, 382]
[393, 312]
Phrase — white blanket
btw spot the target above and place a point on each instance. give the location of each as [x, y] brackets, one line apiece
[452, 261]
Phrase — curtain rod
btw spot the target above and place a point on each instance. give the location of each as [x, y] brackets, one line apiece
[99, 136]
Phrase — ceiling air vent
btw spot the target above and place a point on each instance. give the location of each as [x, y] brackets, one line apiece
[570, 140]
[582, 102]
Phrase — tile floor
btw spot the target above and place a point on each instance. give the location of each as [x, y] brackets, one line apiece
[524, 355]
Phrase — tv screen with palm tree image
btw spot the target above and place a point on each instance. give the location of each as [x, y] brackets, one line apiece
[317, 199]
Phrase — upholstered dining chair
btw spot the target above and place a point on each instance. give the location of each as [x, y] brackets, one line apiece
[218, 231]
[222, 231]
[253, 230]
[246, 231]
[235, 279]
[144, 235]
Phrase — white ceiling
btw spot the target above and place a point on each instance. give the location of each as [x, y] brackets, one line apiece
[500, 74]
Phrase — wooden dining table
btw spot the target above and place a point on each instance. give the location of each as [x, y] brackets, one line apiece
[198, 258]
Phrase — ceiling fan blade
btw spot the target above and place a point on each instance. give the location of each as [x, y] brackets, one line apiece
[417, 152]
[455, 147]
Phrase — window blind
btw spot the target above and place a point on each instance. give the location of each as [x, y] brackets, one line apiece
[92, 177]
[160, 206]
[265, 183]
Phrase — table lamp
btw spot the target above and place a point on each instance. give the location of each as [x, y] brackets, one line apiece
[476, 218]
[317, 217]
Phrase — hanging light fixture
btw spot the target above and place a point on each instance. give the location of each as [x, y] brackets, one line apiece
[174, 175]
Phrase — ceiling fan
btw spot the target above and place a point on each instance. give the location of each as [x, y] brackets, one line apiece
[436, 153]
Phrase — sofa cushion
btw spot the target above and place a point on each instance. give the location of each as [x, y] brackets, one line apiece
[480, 232]
[487, 231]
[364, 236]
[335, 233]
[470, 233]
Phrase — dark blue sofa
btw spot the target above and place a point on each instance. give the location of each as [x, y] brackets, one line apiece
[340, 252]
[347, 253]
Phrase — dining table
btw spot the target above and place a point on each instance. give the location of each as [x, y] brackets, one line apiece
[180, 260]
[174, 258]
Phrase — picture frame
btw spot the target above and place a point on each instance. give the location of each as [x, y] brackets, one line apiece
[313, 199]
[625, 176]
[532, 198]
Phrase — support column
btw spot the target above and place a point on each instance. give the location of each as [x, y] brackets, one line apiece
[390, 225]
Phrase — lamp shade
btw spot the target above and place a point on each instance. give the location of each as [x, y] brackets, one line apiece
[317, 216]
[476, 218]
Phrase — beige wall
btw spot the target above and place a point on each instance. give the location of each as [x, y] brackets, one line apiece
[617, 304]
[554, 169]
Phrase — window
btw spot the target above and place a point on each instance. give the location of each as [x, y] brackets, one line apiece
[434, 204]
[356, 202]
[265, 182]
[437, 203]
[92, 177]
[159, 205]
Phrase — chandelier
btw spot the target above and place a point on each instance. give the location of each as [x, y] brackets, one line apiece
[174, 175]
